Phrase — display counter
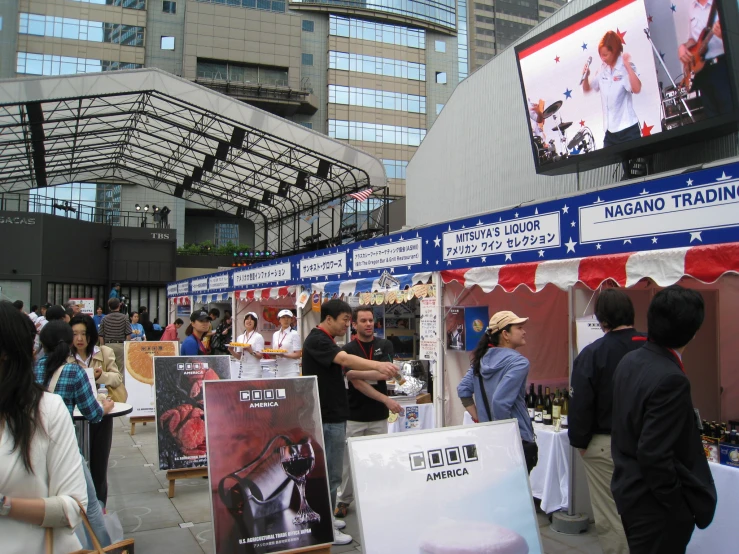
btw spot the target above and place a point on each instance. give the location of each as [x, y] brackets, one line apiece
[415, 416]
[720, 536]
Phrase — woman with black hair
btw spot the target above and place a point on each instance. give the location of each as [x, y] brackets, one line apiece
[41, 477]
[101, 359]
[249, 356]
[495, 385]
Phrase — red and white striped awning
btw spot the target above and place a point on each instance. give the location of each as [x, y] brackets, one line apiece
[265, 294]
[664, 267]
[180, 300]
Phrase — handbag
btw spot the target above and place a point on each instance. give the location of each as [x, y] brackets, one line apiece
[118, 394]
[125, 546]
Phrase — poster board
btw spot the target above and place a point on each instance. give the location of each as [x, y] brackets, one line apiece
[454, 324]
[139, 362]
[475, 324]
[588, 331]
[179, 407]
[87, 305]
[428, 331]
[254, 501]
[471, 481]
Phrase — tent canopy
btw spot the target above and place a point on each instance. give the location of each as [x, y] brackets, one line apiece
[664, 267]
[150, 128]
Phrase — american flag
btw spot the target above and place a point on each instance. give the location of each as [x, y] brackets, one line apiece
[362, 195]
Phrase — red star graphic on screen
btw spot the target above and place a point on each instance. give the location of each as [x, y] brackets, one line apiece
[582, 123]
[556, 59]
[646, 130]
[649, 18]
[621, 35]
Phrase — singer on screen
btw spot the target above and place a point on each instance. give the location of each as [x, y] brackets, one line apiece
[616, 80]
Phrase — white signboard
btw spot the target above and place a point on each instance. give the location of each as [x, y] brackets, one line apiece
[428, 331]
[261, 275]
[331, 264]
[172, 289]
[527, 233]
[139, 372]
[199, 285]
[693, 208]
[588, 331]
[183, 288]
[86, 305]
[392, 254]
[469, 487]
[218, 282]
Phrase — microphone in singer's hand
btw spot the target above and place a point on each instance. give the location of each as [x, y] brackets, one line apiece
[587, 68]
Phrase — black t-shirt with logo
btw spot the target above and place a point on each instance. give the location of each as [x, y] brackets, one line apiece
[361, 407]
[319, 351]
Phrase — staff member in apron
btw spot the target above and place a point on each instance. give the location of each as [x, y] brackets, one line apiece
[287, 339]
[250, 367]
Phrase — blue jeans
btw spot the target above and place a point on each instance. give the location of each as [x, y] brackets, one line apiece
[94, 514]
[334, 435]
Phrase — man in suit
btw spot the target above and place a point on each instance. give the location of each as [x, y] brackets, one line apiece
[661, 483]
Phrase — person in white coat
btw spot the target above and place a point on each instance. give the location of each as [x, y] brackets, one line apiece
[286, 338]
[250, 356]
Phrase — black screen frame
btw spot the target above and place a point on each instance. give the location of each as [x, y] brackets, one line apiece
[699, 131]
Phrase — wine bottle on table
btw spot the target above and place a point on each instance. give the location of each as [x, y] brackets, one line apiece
[531, 402]
[539, 408]
[565, 412]
[547, 414]
[556, 410]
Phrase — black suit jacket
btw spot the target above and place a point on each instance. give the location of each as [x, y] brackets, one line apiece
[655, 440]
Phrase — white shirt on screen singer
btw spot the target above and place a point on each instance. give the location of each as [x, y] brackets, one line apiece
[699, 21]
[615, 96]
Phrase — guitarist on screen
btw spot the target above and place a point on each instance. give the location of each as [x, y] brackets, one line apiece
[703, 58]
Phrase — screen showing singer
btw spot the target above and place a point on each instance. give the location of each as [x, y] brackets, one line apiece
[625, 70]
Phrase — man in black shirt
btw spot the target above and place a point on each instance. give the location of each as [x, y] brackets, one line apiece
[324, 359]
[368, 400]
[591, 405]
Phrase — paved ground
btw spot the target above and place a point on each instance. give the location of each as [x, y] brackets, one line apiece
[137, 493]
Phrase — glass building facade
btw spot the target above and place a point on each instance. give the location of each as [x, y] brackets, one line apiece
[437, 12]
[375, 132]
[50, 64]
[80, 29]
[387, 67]
[376, 32]
[381, 99]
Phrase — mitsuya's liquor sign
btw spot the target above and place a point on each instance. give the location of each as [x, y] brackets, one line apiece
[471, 481]
[266, 463]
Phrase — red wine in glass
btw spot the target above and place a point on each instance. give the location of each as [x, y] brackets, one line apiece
[297, 462]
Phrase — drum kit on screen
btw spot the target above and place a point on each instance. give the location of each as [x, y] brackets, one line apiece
[549, 152]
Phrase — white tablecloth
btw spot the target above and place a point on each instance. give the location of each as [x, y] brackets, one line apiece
[720, 536]
[421, 417]
[550, 479]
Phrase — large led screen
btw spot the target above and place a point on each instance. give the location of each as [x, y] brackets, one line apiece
[621, 76]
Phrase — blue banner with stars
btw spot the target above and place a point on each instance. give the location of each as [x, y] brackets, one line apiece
[690, 209]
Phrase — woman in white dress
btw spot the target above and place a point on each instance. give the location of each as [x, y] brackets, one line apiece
[41, 477]
[285, 338]
[249, 356]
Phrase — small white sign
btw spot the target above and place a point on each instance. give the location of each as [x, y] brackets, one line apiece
[428, 330]
[330, 264]
[518, 235]
[183, 288]
[694, 208]
[392, 254]
[86, 305]
[199, 285]
[218, 282]
[588, 331]
[263, 274]
[172, 289]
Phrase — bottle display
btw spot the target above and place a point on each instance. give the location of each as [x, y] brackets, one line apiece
[556, 410]
[547, 413]
[539, 407]
[531, 402]
[565, 411]
[102, 394]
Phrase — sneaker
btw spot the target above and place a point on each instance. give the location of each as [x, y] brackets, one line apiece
[341, 538]
[341, 509]
[339, 524]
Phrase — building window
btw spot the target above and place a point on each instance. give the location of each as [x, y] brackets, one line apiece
[168, 6]
[441, 12]
[225, 233]
[49, 64]
[375, 132]
[395, 169]
[376, 32]
[307, 124]
[80, 29]
[379, 99]
[485, 43]
[266, 5]
[1, 22]
[307, 59]
[131, 4]
[361, 63]
[483, 19]
[243, 73]
[83, 201]
[167, 43]
[308, 26]
[440, 46]
[441, 77]
[439, 107]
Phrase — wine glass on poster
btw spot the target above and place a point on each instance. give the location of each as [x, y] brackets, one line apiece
[298, 461]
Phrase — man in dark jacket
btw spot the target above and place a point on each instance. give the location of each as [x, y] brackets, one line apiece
[662, 484]
[591, 405]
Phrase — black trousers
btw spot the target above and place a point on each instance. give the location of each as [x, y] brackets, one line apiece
[651, 529]
[530, 453]
[101, 439]
[619, 137]
[713, 83]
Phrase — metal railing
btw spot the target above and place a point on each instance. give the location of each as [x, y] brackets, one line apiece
[21, 202]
